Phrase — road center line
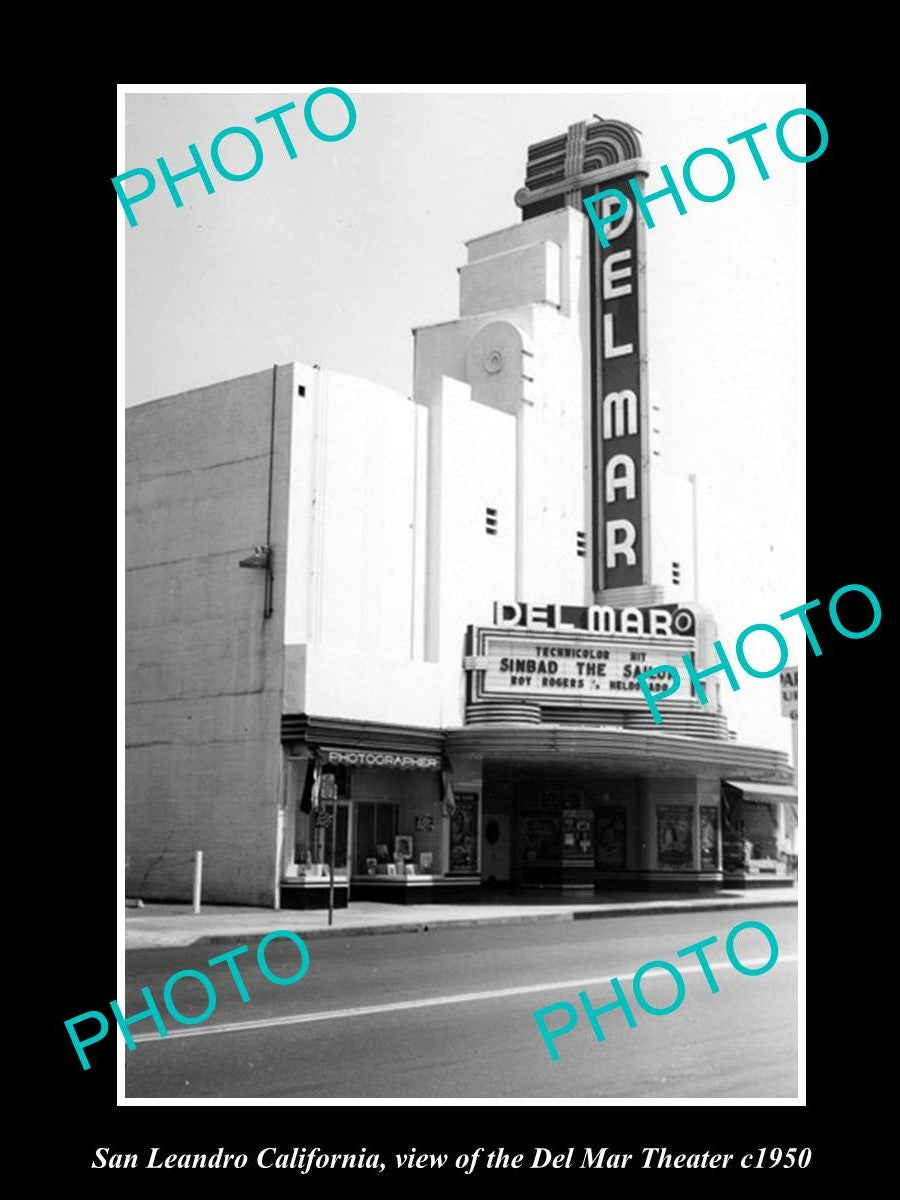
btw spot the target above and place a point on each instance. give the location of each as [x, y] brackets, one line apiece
[338, 1014]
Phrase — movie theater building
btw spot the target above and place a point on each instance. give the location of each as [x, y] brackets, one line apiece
[404, 632]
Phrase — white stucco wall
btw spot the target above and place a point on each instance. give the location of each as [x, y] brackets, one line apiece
[513, 375]
[355, 552]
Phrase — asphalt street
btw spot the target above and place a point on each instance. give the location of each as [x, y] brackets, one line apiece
[449, 1013]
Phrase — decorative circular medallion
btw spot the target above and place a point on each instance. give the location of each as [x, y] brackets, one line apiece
[493, 362]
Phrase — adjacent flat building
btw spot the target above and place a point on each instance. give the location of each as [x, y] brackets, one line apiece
[403, 633]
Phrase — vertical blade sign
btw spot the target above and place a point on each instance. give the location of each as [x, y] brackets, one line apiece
[620, 421]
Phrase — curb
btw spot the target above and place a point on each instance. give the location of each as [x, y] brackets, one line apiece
[537, 918]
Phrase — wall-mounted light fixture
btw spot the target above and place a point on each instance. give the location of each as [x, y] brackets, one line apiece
[261, 560]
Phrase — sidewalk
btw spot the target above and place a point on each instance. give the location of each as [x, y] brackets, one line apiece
[175, 925]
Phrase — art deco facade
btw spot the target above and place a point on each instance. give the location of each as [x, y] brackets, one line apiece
[434, 607]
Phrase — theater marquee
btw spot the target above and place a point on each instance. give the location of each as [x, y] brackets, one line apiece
[559, 668]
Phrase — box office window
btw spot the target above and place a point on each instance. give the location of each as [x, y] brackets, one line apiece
[376, 827]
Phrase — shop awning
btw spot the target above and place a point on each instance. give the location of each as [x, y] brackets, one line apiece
[763, 793]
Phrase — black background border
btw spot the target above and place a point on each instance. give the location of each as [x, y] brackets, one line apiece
[845, 754]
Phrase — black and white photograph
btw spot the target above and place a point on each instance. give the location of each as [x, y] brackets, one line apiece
[463, 440]
[498, 600]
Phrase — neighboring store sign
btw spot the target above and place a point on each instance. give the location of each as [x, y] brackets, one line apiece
[620, 424]
[789, 689]
[383, 758]
[666, 620]
[565, 668]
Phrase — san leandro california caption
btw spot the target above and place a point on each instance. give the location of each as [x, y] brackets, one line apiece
[303, 1160]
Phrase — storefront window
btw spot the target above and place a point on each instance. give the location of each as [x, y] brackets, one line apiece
[313, 846]
[341, 850]
[732, 832]
[761, 831]
[376, 828]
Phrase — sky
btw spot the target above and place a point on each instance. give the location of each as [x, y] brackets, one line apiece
[334, 256]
